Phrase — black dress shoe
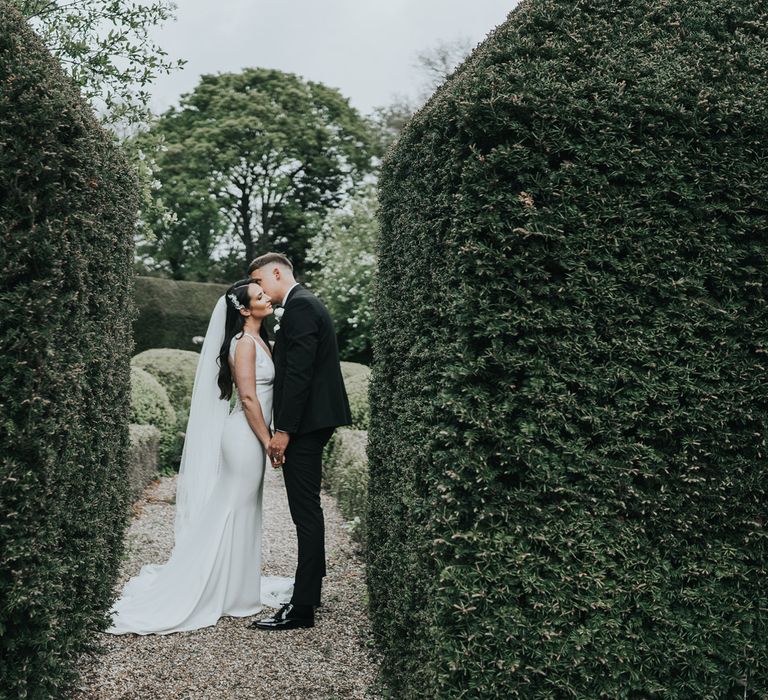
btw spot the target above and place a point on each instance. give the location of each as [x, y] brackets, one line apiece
[289, 617]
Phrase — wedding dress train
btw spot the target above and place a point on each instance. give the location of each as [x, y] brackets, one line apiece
[215, 567]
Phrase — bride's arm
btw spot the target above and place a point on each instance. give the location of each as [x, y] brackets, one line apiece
[245, 378]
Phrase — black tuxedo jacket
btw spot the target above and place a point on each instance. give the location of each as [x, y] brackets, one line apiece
[309, 391]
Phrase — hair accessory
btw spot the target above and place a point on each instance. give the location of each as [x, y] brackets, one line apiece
[235, 301]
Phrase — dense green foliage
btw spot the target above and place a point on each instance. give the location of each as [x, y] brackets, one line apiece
[567, 452]
[143, 456]
[172, 313]
[67, 213]
[356, 380]
[251, 161]
[345, 475]
[150, 405]
[344, 257]
[175, 370]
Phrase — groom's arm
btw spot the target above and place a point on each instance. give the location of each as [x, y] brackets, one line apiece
[301, 331]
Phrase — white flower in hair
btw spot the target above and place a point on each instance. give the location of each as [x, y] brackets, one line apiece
[235, 301]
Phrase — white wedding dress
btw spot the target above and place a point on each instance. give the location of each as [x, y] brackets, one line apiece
[215, 566]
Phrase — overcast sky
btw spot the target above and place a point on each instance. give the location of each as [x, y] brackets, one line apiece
[365, 48]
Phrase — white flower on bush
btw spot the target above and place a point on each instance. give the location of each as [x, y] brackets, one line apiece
[198, 339]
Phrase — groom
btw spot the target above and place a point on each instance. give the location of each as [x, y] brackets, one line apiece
[309, 402]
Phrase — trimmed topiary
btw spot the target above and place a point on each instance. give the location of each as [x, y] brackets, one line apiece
[567, 449]
[67, 216]
[345, 475]
[173, 312]
[143, 457]
[175, 370]
[356, 380]
[150, 405]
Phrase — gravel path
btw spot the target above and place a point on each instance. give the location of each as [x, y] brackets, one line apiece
[332, 660]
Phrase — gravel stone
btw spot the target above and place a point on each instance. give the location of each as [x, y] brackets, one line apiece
[332, 660]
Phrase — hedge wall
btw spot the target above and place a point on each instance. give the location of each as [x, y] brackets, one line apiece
[67, 211]
[172, 312]
[569, 484]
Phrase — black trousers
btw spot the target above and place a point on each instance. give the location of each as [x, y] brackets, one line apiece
[302, 473]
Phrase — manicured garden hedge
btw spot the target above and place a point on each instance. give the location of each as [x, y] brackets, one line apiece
[142, 457]
[345, 475]
[150, 405]
[568, 474]
[67, 210]
[172, 312]
[356, 380]
[174, 369]
[345, 472]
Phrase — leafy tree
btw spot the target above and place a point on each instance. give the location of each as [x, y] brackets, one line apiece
[180, 224]
[344, 254]
[253, 161]
[105, 45]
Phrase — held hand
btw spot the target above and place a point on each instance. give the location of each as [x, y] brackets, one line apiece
[265, 442]
[277, 447]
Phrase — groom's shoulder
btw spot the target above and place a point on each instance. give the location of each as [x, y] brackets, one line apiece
[303, 294]
[309, 300]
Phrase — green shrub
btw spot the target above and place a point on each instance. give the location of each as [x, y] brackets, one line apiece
[345, 475]
[143, 457]
[356, 380]
[67, 217]
[173, 312]
[174, 369]
[567, 446]
[150, 405]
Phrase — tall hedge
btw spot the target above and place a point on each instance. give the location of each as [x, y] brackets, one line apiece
[172, 312]
[569, 485]
[67, 211]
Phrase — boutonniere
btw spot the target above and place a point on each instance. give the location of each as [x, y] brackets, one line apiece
[278, 315]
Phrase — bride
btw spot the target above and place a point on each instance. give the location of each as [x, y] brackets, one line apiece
[215, 566]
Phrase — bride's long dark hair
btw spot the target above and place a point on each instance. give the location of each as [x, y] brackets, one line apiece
[233, 325]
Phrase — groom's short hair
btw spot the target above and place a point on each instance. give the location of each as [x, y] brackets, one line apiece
[267, 259]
